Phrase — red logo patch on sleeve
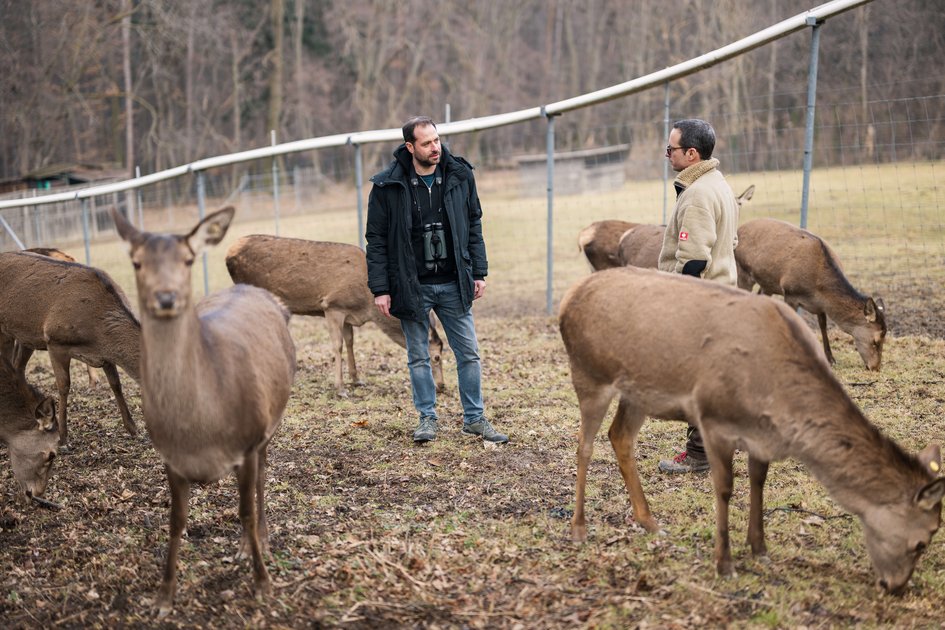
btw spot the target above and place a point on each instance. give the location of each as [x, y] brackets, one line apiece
[684, 236]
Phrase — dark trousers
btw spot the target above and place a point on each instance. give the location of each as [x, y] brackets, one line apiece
[694, 445]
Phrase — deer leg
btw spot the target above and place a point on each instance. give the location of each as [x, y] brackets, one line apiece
[623, 437]
[262, 526]
[348, 335]
[60, 364]
[757, 473]
[822, 320]
[436, 356]
[247, 475]
[720, 465]
[336, 322]
[93, 377]
[8, 348]
[593, 403]
[21, 356]
[180, 503]
[111, 373]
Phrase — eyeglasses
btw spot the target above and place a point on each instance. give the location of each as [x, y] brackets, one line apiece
[670, 149]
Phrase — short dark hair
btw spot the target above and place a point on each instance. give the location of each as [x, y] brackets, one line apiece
[697, 134]
[414, 122]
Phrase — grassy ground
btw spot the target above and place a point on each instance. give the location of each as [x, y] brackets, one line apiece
[369, 530]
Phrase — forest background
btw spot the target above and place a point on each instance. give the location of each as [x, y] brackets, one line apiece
[157, 84]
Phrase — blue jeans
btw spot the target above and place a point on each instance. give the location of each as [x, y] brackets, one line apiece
[444, 300]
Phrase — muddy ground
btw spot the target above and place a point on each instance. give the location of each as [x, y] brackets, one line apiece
[370, 531]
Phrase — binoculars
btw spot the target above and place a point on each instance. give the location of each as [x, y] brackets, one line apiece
[434, 244]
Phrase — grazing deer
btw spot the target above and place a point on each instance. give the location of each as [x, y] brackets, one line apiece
[640, 246]
[747, 371]
[325, 280]
[599, 240]
[52, 252]
[786, 260]
[28, 427]
[215, 380]
[72, 311]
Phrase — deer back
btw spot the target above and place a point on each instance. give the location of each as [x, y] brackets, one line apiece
[48, 301]
[640, 246]
[310, 277]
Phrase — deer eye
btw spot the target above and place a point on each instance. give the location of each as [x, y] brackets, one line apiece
[189, 262]
[136, 265]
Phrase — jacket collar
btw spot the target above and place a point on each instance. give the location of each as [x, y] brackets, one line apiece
[691, 173]
[400, 168]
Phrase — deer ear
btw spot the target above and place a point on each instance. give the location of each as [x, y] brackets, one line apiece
[125, 230]
[931, 459]
[870, 310]
[931, 494]
[211, 230]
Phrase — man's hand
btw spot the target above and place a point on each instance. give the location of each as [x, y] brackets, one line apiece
[382, 302]
[479, 289]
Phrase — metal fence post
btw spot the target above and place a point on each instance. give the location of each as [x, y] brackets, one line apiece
[201, 210]
[550, 148]
[666, 131]
[85, 231]
[360, 188]
[275, 180]
[811, 102]
[138, 195]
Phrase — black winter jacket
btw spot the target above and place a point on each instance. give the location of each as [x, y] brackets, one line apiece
[392, 267]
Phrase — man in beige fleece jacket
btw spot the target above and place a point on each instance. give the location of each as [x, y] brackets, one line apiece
[700, 237]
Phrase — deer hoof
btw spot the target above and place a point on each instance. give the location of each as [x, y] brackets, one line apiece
[650, 525]
[262, 589]
[578, 533]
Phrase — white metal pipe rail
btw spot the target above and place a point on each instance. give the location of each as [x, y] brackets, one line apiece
[777, 31]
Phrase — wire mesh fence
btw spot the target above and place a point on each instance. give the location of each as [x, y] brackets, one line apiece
[875, 197]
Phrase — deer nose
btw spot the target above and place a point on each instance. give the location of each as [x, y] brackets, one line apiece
[165, 299]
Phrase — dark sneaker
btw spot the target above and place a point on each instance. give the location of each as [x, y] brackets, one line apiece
[426, 430]
[684, 463]
[482, 428]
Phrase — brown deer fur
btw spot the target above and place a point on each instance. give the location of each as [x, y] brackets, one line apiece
[74, 312]
[599, 242]
[323, 279]
[640, 246]
[748, 372]
[61, 255]
[28, 427]
[207, 414]
[786, 260]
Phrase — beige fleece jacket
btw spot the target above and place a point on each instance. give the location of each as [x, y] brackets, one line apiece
[703, 225]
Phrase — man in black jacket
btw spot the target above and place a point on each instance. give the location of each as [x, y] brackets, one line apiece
[425, 251]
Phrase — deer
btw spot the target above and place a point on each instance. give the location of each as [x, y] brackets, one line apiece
[52, 252]
[28, 427]
[747, 371]
[786, 260]
[72, 311]
[322, 279]
[215, 381]
[599, 240]
[640, 246]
